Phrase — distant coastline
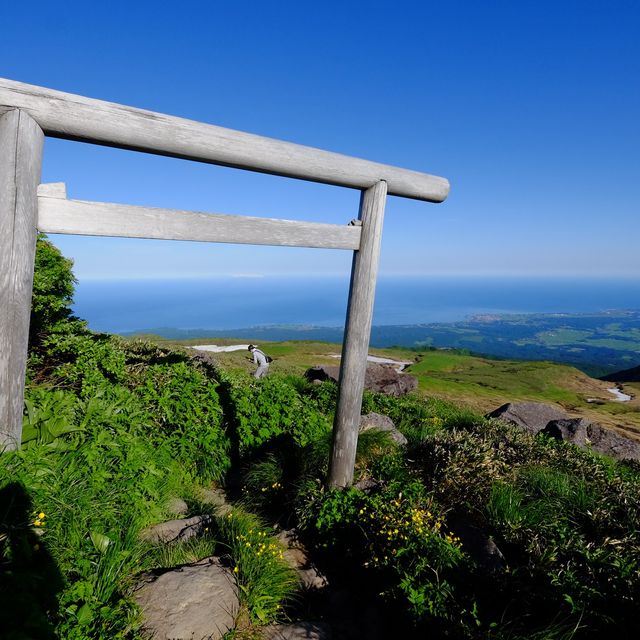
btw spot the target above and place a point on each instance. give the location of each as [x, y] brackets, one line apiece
[581, 321]
[597, 343]
[226, 303]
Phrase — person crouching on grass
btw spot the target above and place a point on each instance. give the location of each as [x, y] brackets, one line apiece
[261, 360]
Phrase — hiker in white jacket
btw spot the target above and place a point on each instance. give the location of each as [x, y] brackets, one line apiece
[261, 360]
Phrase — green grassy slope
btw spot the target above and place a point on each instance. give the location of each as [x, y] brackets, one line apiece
[481, 384]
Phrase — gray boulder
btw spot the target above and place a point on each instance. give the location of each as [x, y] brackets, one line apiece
[193, 602]
[175, 530]
[572, 430]
[382, 378]
[322, 373]
[216, 498]
[583, 433]
[379, 422]
[296, 556]
[531, 416]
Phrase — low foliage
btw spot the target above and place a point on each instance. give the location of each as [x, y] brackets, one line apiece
[272, 407]
[398, 538]
[53, 287]
[265, 580]
[113, 428]
[567, 520]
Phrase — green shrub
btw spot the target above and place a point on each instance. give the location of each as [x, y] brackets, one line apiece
[49, 415]
[372, 444]
[567, 521]
[272, 407]
[84, 361]
[396, 540]
[187, 416]
[265, 580]
[53, 288]
[114, 427]
[87, 505]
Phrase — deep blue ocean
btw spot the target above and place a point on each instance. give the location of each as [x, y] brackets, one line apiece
[230, 303]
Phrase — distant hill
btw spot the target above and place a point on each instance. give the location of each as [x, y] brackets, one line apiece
[628, 375]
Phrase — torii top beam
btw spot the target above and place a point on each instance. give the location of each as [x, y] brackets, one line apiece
[73, 117]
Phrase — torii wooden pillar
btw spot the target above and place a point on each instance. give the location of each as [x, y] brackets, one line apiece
[21, 142]
[355, 347]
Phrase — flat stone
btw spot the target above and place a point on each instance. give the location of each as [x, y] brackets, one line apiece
[586, 434]
[193, 602]
[216, 498]
[383, 378]
[530, 416]
[175, 530]
[367, 484]
[378, 422]
[296, 557]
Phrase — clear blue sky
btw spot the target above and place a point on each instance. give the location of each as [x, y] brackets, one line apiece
[530, 109]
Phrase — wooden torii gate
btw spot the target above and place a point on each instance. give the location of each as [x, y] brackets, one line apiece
[28, 113]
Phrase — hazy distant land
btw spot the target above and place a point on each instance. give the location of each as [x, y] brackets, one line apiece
[596, 343]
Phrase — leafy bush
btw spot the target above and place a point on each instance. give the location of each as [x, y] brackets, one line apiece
[53, 288]
[566, 520]
[186, 416]
[83, 361]
[111, 430]
[87, 505]
[49, 415]
[270, 408]
[396, 540]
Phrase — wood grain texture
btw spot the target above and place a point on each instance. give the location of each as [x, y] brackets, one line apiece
[355, 348]
[57, 215]
[53, 189]
[21, 142]
[75, 117]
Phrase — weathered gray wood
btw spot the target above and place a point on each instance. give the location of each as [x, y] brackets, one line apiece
[53, 189]
[356, 340]
[57, 215]
[21, 142]
[75, 117]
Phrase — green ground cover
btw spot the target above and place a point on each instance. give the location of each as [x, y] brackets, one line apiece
[114, 428]
[563, 336]
[479, 383]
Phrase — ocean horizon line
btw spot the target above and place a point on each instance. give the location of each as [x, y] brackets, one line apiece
[226, 303]
[381, 277]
